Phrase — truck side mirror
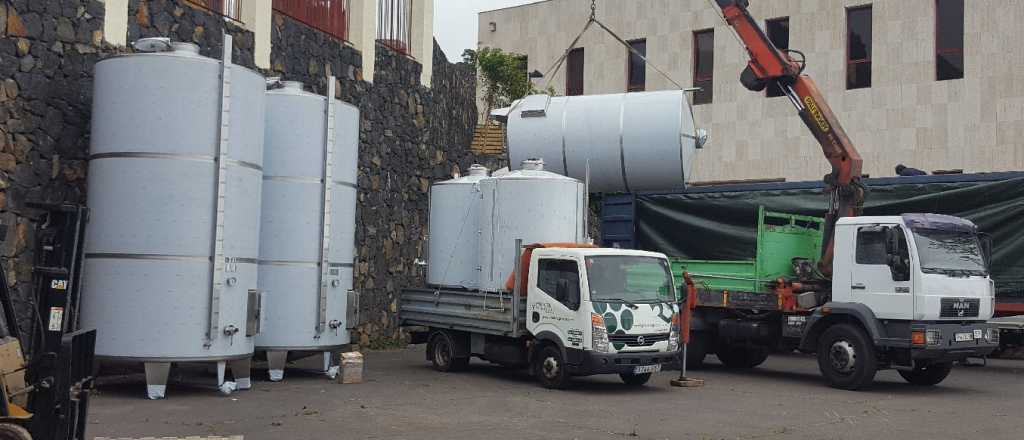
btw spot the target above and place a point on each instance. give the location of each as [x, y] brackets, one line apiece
[986, 248]
[896, 257]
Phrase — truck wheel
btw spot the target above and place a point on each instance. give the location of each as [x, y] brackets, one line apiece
[697, 350]
[736, 356]
[635, 379]
[443, 353]
[10, 431]
[550, 368]
[846, 357]
[927, 375]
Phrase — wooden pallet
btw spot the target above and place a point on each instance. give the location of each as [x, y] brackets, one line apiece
[489, 138]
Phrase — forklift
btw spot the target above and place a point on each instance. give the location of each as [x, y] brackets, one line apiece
[45, 384]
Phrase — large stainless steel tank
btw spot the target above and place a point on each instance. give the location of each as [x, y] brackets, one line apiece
[172, 241]
[529, 204]
[633, 141]
[454, 231]
[308, 223]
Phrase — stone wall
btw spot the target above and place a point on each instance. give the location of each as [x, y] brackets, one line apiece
[410, 136]
[182, 21]
[47, 52]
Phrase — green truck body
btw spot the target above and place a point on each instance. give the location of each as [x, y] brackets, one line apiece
[780, 238]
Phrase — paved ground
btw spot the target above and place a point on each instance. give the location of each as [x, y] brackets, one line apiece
[404, 399]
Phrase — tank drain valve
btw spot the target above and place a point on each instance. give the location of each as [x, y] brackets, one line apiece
[230, 332]
[334, 325]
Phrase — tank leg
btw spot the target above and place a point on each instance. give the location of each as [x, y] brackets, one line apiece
[330, 368]
[240, 369]
[222, 367]
[156, 379]
[275, 363]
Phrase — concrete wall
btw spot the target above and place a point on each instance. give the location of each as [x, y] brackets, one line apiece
[975, 123]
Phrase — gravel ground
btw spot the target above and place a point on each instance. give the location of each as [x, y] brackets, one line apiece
[403, 398]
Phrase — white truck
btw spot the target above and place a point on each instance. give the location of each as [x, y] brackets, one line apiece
[910, 292]
[573, 310]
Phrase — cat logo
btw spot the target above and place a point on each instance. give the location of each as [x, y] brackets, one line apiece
[59, 284]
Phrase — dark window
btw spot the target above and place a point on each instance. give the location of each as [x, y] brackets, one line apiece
[778, 33]
[636, 69]
[703, 65]
[560, 279]
[858, 47]
[871, 245]
[949, 39]
[574, 73]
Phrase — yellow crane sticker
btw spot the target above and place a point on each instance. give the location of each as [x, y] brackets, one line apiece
[812, 108]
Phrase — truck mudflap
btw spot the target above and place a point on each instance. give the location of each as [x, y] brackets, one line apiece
[954, 341]
[586, 362]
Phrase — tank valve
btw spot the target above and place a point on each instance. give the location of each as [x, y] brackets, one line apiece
[230, 330]
[232, 281]
[335, 283]
[334, 324]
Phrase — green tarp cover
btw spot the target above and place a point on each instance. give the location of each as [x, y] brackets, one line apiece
[723, 225]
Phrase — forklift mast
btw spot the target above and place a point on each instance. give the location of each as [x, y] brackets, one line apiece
[769, 65]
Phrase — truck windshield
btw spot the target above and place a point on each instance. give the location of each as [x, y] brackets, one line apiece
[629, 279]
[950, 252]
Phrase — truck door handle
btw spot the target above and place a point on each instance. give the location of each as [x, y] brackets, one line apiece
[858, 286]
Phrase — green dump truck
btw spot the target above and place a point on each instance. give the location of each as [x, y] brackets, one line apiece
[910, 292]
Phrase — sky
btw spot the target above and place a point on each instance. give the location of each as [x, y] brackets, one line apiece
[455, 22]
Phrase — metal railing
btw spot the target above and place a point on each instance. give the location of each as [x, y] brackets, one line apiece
[394, 25]
[228, 8]
[328, 16]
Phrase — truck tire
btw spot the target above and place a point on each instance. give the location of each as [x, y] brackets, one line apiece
[927, 375]
[697, 350]
[549, 366]
[846, 357]
[10, 431]
[635, 380]
[738, 356]
[443, 353]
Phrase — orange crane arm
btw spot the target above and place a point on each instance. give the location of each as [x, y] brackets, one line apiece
[769, 65]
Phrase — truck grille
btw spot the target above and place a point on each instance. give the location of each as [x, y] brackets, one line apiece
[638, 340]
[959, 307]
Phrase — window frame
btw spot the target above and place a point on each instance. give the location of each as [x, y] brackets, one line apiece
[941, 51]
[630, 87]
[773, 85]
[570, 71]
[869, 45]
[554, 295]
[699, 80]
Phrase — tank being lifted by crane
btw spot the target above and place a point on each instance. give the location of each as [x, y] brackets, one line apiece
[630, 141]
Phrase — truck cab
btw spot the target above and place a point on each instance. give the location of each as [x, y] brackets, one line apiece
[604, 310]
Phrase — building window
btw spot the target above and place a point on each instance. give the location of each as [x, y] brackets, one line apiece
[949, 39]
[329, 16]
[574, 73]
[394, 25]
[703, 65]
[228, 8]
[636, 80]
[778, 33]
[858, 47]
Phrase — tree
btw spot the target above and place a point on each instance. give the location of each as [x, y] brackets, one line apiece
[503, 76]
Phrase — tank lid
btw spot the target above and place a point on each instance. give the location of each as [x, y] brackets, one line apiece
[296, 86]
[477, 170]
[533, 164]
[181, 48]
[153, 44]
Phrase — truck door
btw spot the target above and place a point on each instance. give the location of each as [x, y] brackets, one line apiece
[554, 301]
[874, 281]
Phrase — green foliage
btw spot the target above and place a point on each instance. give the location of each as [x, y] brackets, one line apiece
[503, 76]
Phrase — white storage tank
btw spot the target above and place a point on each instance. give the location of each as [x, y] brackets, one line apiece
[529, 204]
[633, 141]
[307, 237]
[172, 241]
[454, 231]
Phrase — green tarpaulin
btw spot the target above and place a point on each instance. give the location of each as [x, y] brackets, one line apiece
[722, 225]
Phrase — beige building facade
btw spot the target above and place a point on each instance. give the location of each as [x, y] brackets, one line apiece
[974, 123]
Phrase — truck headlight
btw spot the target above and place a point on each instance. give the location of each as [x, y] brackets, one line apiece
[933, 337]
[673, 334]
[992, 335]
[599, 334]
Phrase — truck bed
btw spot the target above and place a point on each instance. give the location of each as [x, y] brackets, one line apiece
[489, 313]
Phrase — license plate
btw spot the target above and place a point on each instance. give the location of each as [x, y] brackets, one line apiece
[643, 369]
[977, 333]
[964, 337]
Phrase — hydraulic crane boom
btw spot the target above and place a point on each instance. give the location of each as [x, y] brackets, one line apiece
[769, 65]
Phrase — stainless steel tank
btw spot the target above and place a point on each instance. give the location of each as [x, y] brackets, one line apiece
[171, 246]
[529, 204]
[307, 245]
[633, 141]
[454, 231]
